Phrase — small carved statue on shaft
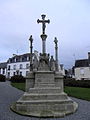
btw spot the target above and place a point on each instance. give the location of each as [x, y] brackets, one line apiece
[52, 64]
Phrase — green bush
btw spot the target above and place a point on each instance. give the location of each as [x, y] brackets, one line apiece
[17, 79]
[2, 78]
[76, 83]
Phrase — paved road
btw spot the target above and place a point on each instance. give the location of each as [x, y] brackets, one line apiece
[9, 94]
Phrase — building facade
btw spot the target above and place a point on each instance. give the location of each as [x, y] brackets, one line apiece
[62, 69]
[3, 68]
[18, 65]
[82, 69]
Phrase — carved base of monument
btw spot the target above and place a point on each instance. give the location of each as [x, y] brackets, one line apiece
[45, 96]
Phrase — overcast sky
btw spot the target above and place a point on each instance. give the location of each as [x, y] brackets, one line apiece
[69, 22]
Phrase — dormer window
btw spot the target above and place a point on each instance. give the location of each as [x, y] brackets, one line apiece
[14, 59]
[20, 59]
[27, 58]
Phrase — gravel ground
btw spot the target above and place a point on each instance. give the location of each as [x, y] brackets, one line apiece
[9, 94]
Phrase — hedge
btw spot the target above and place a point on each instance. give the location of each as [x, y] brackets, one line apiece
[2, 78]
[76, 83]
[17, 79]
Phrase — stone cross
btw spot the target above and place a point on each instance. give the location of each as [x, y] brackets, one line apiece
[43, 21]
[31, 55]
[56, 52]
[43, 35]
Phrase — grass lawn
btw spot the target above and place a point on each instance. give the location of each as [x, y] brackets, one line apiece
[20, 86]
[82, 93]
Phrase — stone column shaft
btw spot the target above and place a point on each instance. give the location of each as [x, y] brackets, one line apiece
[43, 46]
[43, 37]
[31, 51]
[56, 53]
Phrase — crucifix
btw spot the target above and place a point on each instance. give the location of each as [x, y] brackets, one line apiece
[43, 21]
[43, 36]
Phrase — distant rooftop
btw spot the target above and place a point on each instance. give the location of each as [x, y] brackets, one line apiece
[3, 65]
[19, 58]
[82, 63]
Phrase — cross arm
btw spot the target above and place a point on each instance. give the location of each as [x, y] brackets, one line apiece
[43, 21]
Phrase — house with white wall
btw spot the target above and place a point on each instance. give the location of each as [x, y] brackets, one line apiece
[18, 65]
[82, 69]
[62, 69]
[3, 68]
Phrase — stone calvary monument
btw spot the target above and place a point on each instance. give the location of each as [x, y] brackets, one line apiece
[44, 96]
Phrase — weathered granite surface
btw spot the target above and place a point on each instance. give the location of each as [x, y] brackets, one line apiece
[44, 96]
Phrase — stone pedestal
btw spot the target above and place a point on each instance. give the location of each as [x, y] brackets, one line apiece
[44, 96]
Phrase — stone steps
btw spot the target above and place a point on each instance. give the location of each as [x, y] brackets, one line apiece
[67, 101]
[45, 108]
[48, 96]
[45, 90]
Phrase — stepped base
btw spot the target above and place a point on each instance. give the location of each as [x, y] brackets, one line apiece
[44, 96]
[45, 105]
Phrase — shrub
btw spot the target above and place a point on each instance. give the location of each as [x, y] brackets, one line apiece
[17, 79]
[2, 78]
[76, 83]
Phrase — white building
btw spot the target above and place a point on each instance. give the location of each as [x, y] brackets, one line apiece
[3, 68]
[82, 69]
[62, 69]
[18, 65]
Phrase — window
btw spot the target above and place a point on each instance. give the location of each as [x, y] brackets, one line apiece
[27, 66]
[0, 70]
[13, 73]
[20, 73]
[9, 67]
[27, 73]
[3, 70]
[14, 59]
[17, 72]
[8, 74]
[21, 66]
[20, 59]
[82, 71]
[14, 67]
[27, 58]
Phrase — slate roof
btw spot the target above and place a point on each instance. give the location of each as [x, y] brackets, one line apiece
[3, 65]
[82, 63]
[18, 58]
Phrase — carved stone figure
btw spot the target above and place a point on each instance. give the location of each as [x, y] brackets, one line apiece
[43, 21]
[35, 61]
[52, 64]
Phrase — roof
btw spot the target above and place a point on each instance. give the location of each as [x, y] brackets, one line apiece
[19, 57]
[3, 65]
[26, 54]
[82, 63]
